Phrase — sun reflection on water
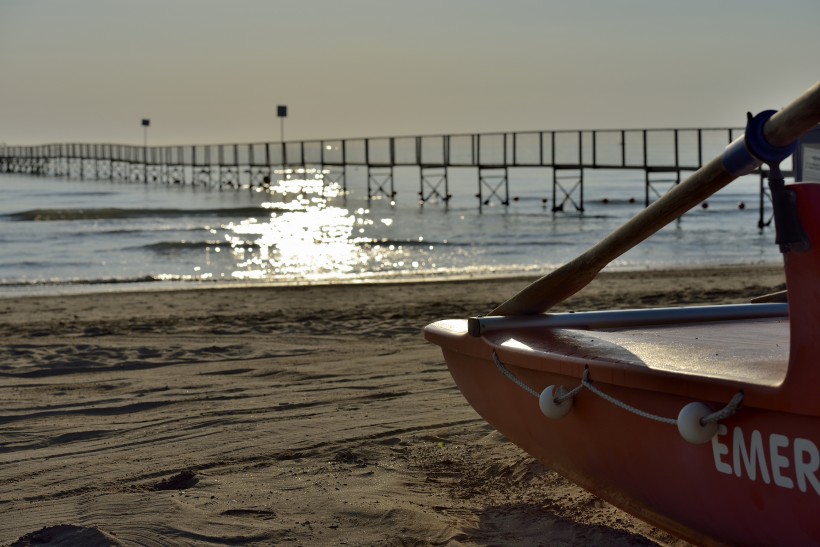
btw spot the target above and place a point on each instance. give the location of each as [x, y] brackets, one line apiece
[306, 237]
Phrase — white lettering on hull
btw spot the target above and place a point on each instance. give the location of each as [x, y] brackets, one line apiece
[773, 460]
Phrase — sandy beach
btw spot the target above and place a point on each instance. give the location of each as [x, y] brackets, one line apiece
[288, 416]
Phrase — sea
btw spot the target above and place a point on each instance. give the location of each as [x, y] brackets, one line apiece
[61, 235]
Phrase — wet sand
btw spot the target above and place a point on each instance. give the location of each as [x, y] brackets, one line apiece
[289, 416]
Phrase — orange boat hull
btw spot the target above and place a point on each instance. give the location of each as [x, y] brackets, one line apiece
[756, 482]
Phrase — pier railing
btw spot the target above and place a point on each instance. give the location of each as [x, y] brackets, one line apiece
[660, 154]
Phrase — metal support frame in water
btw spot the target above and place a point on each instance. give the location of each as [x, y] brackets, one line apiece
[668, 178]
[663, 154]
[570, 182]
[493, 186]
[434, 185]
[380, 182]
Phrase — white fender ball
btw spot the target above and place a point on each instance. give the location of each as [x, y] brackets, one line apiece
[691, 428]
[549, 407]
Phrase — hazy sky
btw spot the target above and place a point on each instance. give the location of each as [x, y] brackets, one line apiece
[206, 71]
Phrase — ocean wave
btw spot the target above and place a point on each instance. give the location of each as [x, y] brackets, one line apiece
[143, 230]
[498, 242]
[114, 213]
[171, 246]
[73, 194]
[10, 288]
[183, 245]
[410, 243]
[180, 245]
[4, 284]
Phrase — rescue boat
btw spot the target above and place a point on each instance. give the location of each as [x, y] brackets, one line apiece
[704, 420]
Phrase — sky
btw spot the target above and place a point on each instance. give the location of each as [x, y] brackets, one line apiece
[207, 71]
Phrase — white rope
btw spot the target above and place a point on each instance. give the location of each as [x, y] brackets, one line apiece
[620, 404]
[728, 410]
[513, 378]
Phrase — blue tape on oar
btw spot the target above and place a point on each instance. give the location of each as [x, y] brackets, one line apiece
[757, 144]
[746, 153]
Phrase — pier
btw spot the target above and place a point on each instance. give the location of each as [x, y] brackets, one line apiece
[660, 155]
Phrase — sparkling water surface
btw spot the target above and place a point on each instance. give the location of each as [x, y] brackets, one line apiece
[63, 235]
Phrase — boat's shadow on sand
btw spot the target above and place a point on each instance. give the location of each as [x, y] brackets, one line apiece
[530, 523]
[505, 497]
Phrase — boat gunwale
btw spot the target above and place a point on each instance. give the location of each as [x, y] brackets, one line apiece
[614, 373]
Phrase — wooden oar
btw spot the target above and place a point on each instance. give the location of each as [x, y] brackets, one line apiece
[780, 130]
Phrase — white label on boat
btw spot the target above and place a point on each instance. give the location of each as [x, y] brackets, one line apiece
[774, 459]
[811, 162]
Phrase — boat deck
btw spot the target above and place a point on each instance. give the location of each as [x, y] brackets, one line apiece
[748, 351]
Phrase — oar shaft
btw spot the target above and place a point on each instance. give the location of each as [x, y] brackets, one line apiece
[573, 276]
[613, 319]
[791, 123]
[782, 129]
